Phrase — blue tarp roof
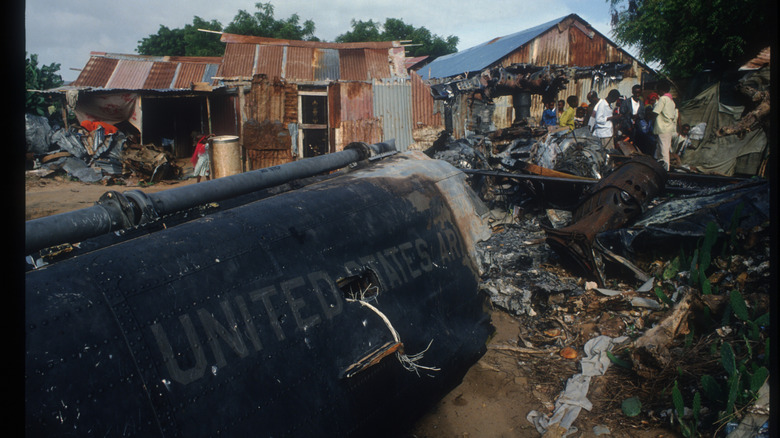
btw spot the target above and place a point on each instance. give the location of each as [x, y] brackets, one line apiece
[479, 57]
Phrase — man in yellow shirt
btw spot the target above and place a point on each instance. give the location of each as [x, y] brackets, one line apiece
[665, 125]
[567, 117]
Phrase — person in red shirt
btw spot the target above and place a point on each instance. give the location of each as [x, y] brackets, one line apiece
[201, 160]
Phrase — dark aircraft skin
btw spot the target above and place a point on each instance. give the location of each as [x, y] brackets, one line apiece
[248, 321]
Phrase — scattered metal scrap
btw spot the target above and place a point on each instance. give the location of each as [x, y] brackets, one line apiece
[546, 80]
[612, 203]
[97, 154]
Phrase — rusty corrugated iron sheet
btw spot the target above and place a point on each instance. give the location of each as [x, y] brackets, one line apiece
[266, 143]
[424, 111]
[96, 73]
[368, 130]
[393, 105]
[307, 61]
[761, 60]
[129, 75]
[160, 75]
[248, 39]
[326, 64]
[567, 41]
[377, 63]
[352, 66]
[271, 99]
[260, 159]
[355, 100]
[269, 61]
[411, 63]
[120, 71]
[299, 65]
[188, 74]
[238, 61]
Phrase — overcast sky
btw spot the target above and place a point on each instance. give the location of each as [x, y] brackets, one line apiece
[65, 32]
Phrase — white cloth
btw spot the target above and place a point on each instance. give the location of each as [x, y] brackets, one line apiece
[202, 166]
[599, 125]
[574, 397]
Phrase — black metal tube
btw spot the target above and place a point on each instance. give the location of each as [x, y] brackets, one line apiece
[73, 226]
[93, 221]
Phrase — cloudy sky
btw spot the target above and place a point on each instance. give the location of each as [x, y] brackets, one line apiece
[65, 32]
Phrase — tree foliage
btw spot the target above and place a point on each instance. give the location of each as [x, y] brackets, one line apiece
[263, 24]
[189, 41]
[422, 41]
[684, 36]
[40, 78]
[197, 43]
[184, 42]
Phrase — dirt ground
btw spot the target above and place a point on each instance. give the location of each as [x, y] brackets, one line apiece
[496, 394]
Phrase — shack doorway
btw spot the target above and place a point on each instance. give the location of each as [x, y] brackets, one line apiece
[169, 122]
[313, 121]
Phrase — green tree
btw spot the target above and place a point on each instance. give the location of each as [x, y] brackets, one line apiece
[199, 43]
[685, 35]
[263, 24]
[166, 42]
[40, 78]
[184, 42]
[421, 40]
[361, 31]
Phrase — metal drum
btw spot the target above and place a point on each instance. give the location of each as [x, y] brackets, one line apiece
[225, 156]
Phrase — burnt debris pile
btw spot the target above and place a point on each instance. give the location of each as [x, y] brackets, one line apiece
[671, 267]
[95, 152]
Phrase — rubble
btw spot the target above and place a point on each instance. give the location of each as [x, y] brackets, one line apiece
[95, 152]
[538, 185]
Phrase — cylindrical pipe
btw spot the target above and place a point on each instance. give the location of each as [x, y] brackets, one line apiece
[94, 221]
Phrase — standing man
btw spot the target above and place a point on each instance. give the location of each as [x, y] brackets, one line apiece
[632, 110]
[600, 121]
[593, 99]
[665, 125]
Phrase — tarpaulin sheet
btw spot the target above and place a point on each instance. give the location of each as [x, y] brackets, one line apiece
[110, 108]
[725, 155]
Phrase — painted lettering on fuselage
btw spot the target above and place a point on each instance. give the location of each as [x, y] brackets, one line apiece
[310, 299]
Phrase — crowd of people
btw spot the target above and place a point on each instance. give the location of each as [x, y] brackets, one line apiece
[650, 123]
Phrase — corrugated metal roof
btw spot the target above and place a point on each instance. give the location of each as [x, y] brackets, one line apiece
[299, 65]
[136, 72]
[761, 60]
[412, 62]
[484, 55]
[326, 64]
[307, 61]
[96, 72]
[353, 65]
[268, 60]
[161, 75]
[129, 75]
[238, 61]
[247, 39]
[189, 73]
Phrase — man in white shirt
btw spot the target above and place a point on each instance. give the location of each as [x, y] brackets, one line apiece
[665, 125]
[600, 122]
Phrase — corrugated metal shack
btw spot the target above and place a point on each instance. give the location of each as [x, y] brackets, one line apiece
[284, 99]
[165, 98]
[301, 98]
[567, 42]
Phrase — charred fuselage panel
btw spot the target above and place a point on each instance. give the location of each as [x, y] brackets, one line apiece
[253, 320]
